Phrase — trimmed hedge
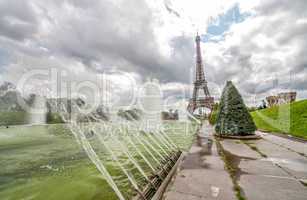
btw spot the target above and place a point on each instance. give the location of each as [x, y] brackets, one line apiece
[233, 117]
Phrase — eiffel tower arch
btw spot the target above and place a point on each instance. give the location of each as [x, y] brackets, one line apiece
[200, 84]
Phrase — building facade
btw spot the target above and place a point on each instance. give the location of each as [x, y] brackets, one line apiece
[281, 98]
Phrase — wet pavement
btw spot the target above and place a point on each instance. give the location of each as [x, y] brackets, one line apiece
[201, 174]
[274, 169]
[292, 145]
[271, 168]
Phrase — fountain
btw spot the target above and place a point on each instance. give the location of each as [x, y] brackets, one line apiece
[38, 110]
[141, 150]
[151, 104]
[183, 113]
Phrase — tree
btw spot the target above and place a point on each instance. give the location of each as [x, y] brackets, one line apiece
[233, 117]
[263, 105]
[213, 115]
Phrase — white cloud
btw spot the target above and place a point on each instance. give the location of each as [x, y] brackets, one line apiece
[265, 47]
[156, 38]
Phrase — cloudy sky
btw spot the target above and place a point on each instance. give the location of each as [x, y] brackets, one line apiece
[260, 45]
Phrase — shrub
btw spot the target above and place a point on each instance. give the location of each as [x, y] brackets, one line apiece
[212, 118]
[233, 117]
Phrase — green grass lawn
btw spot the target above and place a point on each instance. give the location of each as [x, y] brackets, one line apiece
[289, 119]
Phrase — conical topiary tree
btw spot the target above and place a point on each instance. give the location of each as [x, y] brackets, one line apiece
[233, 117]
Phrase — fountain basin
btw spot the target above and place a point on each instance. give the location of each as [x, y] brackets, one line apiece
[161, 180]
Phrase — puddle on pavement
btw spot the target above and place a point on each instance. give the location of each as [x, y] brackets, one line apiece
[234, 162]
[196, 158]
[205, 152]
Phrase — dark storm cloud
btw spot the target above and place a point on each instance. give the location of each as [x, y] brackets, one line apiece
[258, 87]
[287, 29]
[100, 34]
[105, 34]
[169, 8]
[121, 36]
[233, 63]
[182, 58]
[17, 19]
[298, 7]
[291, 33]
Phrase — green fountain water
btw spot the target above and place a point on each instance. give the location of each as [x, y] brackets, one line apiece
[94, 160]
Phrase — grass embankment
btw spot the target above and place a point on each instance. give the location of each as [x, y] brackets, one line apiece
[13, 118]
[289, 119]
[21, 117]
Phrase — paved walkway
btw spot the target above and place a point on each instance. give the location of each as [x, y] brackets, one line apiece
[202, 174]
[276, 168]
[270, 168]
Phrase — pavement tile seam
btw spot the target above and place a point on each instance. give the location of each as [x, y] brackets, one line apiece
[285, 147]
[290, 174]
[277, 177]
[287, 160]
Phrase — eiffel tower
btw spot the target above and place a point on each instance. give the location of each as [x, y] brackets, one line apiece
[200, 83]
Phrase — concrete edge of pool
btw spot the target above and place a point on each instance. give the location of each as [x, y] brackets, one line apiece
[159, 192]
